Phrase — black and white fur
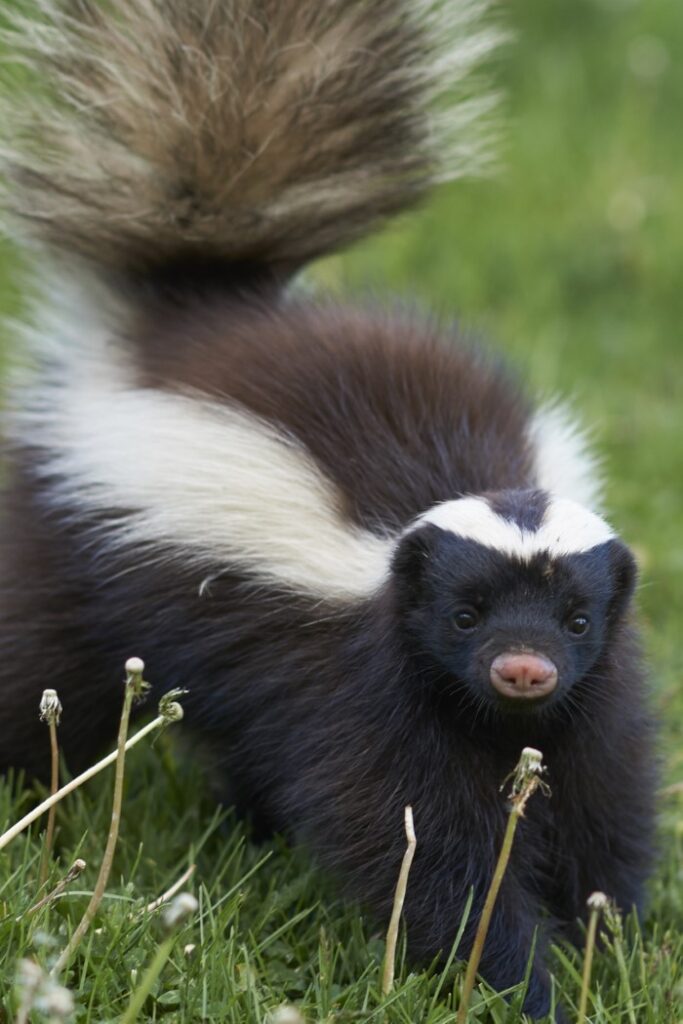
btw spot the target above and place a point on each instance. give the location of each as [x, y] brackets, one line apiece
[284, 505]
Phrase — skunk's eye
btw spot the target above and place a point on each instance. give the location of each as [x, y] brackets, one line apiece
[465, 619]
[578, 625]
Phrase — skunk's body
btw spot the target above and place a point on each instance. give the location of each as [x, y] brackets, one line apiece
[270, 499]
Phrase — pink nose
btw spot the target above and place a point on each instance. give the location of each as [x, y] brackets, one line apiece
[523, 675]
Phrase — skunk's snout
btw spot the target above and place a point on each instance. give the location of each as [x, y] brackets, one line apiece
[524, 675]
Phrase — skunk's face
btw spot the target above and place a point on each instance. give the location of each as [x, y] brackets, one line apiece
[512, 596]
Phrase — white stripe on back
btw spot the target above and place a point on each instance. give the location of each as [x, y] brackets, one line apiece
[225, 486]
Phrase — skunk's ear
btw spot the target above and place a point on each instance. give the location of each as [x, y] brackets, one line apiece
[624, 573]
[410, 565]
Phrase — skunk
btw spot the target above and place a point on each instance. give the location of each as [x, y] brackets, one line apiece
[348, 532]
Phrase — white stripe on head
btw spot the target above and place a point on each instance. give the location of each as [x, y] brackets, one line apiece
[567, 528]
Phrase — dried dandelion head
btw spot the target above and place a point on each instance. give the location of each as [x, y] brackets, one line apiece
[50, 707]
[169, 708]
[527, 777]
[597, 901]
[135, 668]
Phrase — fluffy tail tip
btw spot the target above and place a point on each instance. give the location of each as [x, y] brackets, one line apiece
[260, 132]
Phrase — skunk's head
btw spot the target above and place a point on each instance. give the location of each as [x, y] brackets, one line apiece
[512, 596]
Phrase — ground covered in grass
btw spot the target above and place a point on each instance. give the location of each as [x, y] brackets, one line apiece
[570, 261]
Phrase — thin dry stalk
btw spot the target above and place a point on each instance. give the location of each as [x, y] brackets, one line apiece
[170, 893]
[72, 874]
[527, 778]
[50, 712]
[169, 711]
[399, 898]
[597, 903]
[134, 687]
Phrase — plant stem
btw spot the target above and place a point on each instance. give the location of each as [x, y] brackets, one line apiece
[74, 871]
[170, 893]
[54, 786]
[50, 712]
[596, 903]
[527, 778]
[485, 919]
[132, 689]
[399, 898]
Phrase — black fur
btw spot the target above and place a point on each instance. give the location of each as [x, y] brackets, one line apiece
[525, 508]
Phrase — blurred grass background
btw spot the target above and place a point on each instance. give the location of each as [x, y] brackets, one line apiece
[571, 262]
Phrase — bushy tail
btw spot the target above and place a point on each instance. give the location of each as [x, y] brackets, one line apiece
[260, 132]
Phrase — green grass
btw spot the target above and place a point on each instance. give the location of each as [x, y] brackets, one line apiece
[570, 261]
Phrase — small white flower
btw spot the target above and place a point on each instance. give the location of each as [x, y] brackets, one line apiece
[182, 908]
[54, 1001]
[39, 991]
[285, 1014]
